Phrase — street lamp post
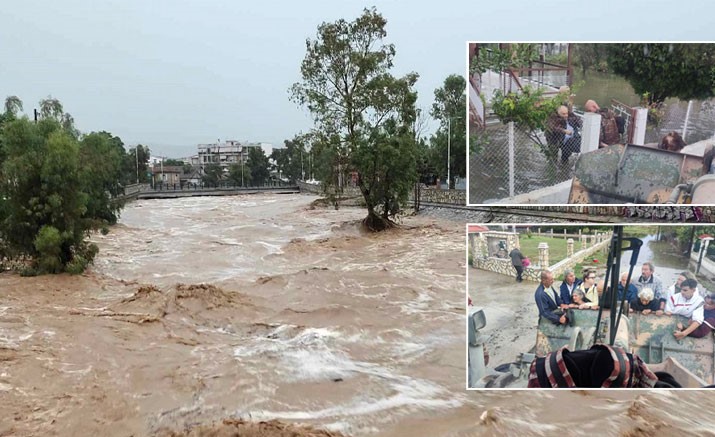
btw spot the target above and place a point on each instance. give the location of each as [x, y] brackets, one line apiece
[449, 149]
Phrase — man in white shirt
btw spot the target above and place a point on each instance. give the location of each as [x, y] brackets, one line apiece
[688, 304]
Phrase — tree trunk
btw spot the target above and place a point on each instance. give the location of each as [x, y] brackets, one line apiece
[373, 222]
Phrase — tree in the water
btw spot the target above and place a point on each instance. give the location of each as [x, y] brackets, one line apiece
[102, 157]
[45, 188]
[361, 110]
[685, 71]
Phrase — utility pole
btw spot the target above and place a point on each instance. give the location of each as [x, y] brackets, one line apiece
[449, 149]
[136, 155]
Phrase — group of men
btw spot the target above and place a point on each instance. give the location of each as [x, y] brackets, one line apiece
[562, 129]
[646, 294]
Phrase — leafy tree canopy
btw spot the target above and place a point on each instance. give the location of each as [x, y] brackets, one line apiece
[685, 71]
[449, 108]
[357, 106]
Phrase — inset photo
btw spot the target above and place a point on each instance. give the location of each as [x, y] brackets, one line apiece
[585, 306]
[591, 123]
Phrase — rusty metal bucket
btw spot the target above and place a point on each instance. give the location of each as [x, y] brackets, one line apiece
[652, 339]
[578, 334]
[631, 174]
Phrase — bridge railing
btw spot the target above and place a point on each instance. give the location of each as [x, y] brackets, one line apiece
[223, 185]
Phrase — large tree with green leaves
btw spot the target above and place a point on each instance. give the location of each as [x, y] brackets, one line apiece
[102, 155]
[290, 161]
[662, 70]
[135, 167]
[44, 196]
[450, 140]
[258, 166]
[361, 111]
[213, 174]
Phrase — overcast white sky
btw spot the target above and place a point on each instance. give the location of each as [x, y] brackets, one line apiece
[171, 74]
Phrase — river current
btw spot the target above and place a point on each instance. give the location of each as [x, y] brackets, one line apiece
[263, 307]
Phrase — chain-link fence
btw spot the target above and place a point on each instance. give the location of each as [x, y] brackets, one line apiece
[505, 162]
[694, 120]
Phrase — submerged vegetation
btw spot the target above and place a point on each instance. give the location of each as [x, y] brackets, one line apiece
[57, 185]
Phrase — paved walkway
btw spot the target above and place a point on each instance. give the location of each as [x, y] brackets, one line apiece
[510, 310]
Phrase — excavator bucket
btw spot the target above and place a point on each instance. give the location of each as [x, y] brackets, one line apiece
[632, 174]
[652, 339]
[578, 334]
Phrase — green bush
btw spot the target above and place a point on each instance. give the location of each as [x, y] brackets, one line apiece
[48, 244]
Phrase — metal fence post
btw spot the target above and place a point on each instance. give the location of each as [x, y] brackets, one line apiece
[639, 126]
[511, 159]
[591, 132]
[687, 118]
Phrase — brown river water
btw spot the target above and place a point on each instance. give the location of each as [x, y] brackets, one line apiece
[254, 308]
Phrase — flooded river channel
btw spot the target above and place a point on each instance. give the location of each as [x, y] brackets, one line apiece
[262, 307]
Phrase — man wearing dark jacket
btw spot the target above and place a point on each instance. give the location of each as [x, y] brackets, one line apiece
[548, 300]
[517, 261]
[570, 283]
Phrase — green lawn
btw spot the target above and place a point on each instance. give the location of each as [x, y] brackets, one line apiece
[557, 248]
[557, 252]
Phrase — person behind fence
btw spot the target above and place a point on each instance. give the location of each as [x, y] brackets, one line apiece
[548, 300]
[645, 303]
[672, 141]
[610, 124]
[688, 304]
[562, 131]
[568, 285]
[648, 279]
[517, 260]
[589, 289]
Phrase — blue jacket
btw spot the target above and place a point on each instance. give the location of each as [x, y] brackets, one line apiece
[546, 304]
[565, 294]
[631, 293]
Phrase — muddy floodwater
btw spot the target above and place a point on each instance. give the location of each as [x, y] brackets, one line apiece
[203, 310]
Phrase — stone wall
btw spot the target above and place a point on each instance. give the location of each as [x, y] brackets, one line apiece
[655, 213]
[432, 195]
[478, 242]
[318, 189]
